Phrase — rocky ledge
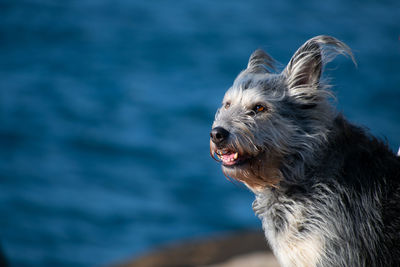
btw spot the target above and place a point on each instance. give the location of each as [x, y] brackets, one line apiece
[229, 250]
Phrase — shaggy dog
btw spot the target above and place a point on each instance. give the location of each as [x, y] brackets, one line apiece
[327, 191]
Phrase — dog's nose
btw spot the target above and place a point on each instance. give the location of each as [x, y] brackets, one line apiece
[218, 135]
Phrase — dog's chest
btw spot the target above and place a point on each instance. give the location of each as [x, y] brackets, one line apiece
[284, 225]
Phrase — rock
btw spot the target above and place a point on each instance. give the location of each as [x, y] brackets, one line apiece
[255, 259]
[248, 249]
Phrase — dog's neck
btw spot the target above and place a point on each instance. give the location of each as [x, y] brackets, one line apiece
[301, 214]
[289, 218]
[282, 219]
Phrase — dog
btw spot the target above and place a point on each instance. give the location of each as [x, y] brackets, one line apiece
[327, 192]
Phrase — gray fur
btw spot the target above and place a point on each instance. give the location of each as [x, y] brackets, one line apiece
[319, 203]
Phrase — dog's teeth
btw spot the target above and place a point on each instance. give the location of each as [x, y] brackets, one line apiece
[236, 155]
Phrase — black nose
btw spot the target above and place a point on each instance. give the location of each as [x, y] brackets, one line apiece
[218, 135]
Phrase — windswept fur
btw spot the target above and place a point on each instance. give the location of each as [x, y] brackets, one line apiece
[326, 191]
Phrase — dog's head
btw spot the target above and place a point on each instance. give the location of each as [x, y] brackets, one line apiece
[269, 122]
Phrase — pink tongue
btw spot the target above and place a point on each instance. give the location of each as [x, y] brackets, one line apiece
[228, 157]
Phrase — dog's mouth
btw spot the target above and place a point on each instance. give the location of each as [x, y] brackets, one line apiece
[227, 157]
[230, 158]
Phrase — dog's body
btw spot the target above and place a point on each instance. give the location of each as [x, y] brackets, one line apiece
[327, 192]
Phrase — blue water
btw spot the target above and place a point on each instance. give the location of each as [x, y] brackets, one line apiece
[106, 106]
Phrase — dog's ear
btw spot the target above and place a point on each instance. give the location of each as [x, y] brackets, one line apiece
[306, 65]
[260, 62]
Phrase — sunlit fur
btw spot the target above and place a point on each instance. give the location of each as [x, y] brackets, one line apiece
[322, 195]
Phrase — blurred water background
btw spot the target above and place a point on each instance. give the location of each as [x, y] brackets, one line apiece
[106, 107]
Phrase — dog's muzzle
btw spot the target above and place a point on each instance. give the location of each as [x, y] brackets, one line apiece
[218, 146]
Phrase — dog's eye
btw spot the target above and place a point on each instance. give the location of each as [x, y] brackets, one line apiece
[227, 105]
[259, 108]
